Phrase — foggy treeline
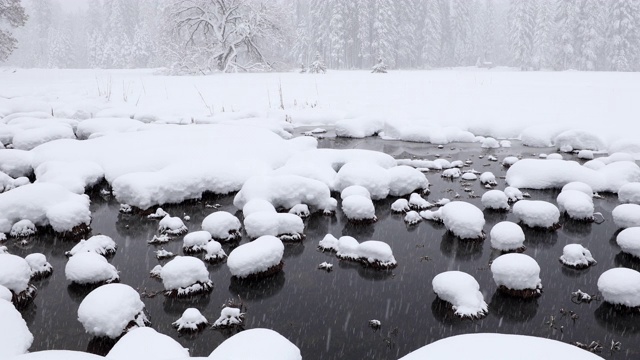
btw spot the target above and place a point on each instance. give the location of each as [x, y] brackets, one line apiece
[203, 36]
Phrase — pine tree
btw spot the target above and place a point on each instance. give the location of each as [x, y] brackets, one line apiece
[432, 34]
[623, 50]
[543, 34]
[383, 30]
[460, 32]
[364, 15]
[567, 20]
[338, 34]
[521, 32]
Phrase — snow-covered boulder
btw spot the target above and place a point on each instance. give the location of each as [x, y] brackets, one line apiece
[99, 244]
[5, 294]
[8, 183]
[462, 291]
[417, 202]
[373, 177]
[513, 194]
[537, 213]
[111, 310]
[579, 140]
[579, 186]
[517, 275]
[359, 208]
[405, 179]
[507, 236]
[355, 190]
[620, 286]
[15, 337]
[576, 204]
[287, 227]
[222, 226]
[146, 343]
[261, 257]
[185, 276]
[15, 274]
[172, 225]
[626, 215]
[263, 344]
[16, 163]
[23, 228]
[629, 193]
[329, 243]
[30, 138]
[257, 205]
[577, 256]
[400, 206]
[489, 143]
[509, 161]
[451, 173]
[40, 267]
[90, 268]
[191, 320]
[585, 155]
[195, 242]
[462, 219]
[300, 210]
[359, 127]
[487, 178]
[412, 218]
[230, 316]
[495, 200]
[629, 241]
[213, 252]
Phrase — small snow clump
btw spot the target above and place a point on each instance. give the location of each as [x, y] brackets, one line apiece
[185, 276]
[172, 226]
[40, 267]
[99, 244]
[214, 252]
[400, 206]
[577, 256]
[191, 320]
[462, 291]
[412, 218]
[23, 228]
[223, 226]
[495, 200]
[196, 241]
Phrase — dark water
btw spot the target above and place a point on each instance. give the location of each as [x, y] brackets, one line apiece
[326, 314]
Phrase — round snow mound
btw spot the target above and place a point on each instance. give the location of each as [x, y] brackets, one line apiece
[146, 343]
[507, 236]
[182, 272]
[577, 204]
[195, 241]
[577, 256]
[495, 200]
[579, 186]
[516, 272]
[15, 337]
[629, 241]
[359, 208]
[263, 344]
[90, 268]
[463, 219]
[629, 193]
[257, 205]
[626, 215]
[15, 273]
[257, 257]
[462, 291]
[109, 310]
[223, 226]
[536, 213]
[400, 205]
[355, 190]
[405, 179]
[620, 286]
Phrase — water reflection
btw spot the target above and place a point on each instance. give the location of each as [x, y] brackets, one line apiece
[513, 309]
[577, 230]
[360, 230]
[366, 272]
[459, 249]
[616, 320]
[538, 238]
[495, 216]
[175, 306]
[78, 292]
[627, 260]
[444, 313]
[100, 345]
[249, 289]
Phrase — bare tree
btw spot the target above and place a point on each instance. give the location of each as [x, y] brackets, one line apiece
[11, 12]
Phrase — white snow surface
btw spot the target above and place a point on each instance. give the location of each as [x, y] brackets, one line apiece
[536, 213]
[416, 201]
[196, 240]
[516, 272]
[496, 200]
[577, 204]
[108, 309]
[400, 205]
[257, 205]
[100, 244]
[15, 337]
[5, 294]
[263, 344]
[58, 355]
[106, 125]
[509, 161]
[513, 193]
[183, 271]
[256, 256]
[629, 193]
[629, 241]
[44, 204]
[329, 242]
[488, 177]
[579, 186]
[579, 140]
[38, 263]
[274, 224]
[8, 183]
[221, 225]
[506, 236]
[359, 127]
[75, 176]
[626, 215]
[373, 177]
[16, 163]
[172, 225]
[146, 343]
[405, 179]
[462, 291]
[412, 217]
[214, 251]
[15, 273]
[355, 190]
[23, 228]
[89, 268]
[576, 255]
[463, 219]
[358, 208]
[190, 320]
[620, 286]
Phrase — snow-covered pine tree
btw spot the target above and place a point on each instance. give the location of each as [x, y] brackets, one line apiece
[432, 34]
[589, 36]
[383, 30]
[317, 66]
[567, 19]
[460, 24]
[320, 17]
[521, 32]
[543, 34]
[338, 34]
[408, 20]
[624, 44]
[364, 15]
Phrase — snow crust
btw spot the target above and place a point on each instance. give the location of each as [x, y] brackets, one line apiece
[146, 343]
[182, 272]
[626, 215]
[255, 257]
[536, 213]
[629, 241]
[516, 272]
[507, 236]
[620, 286]
[15, 273]
[462, 291]
[256, 343]
[576, 255]
[15, 337]
[90, 268]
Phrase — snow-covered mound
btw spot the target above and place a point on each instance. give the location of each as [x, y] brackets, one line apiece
[257, 205]
[578, 140]
[412, 217]
[537, 213]
[172, 225]
[40, 267]
[222, 226]
[359, 127]
[15, 274]
[158, 214]
[16, 163]
[579, 186]
[15, 337]
[8, 183]
[462, 291]
[263, 344]
[483, 346]
[359, 208]
[507, 236]
[462, 219]
[44, 204]
[400, 205]
[577, 204]
[404, 179]
[373, 177]
[509, 161]
[629, 240]
[99, 244]
[111, 310]
[514, 194]
[196, 241]
[286, 191]
[262, 256]
[286, 226]
[355, 190]
[629, 193]
[517, 275]
[489, 143]
[431, 133]
[229, 317]
[495, 200]
[585, 154]
[417, 202]
[577, 256]
[184, 276]
[541, 174]
[620, 286]
[30, 138]
[23, 228]
[90, 268]
[626, 215]
[75, 176]
[329, 243]
[451, 173]
[91, 128]
[214, 252]
[191, 320]
[146, 343]
[300, 210]
[487, 178]
[5, 294]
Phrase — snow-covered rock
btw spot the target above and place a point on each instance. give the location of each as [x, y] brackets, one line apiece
[577, 204]
[417, 202]
[90, 268]
[469, 176]
[214, 252]
[355, 190]
[15, 274]
[373, 177]
[487, 178]
[462, 291]
[300, 210]
[185, 276]
[451, 173]
[99, 244]
[585, 154]
[513, 194]
[626, 215]
[577, 256]
[495, 200]
[517, 275]
[16, 163]
[405, 179]
[359, 208]
[329, 243]
[262, 256]
[489, 143]
[191, 320]
[229, 316]
[172, 225]
[30, 138]
[15, 337]
[509, 161]
[8, 183]
[23, 228]
[462, 219]
[412, 217]
[195, 242]
[507, 236]
[158, 214]
[629, 193]
[110, 310]
[146, 343]
[554, 156]
[629, 240]
[359, 127]
[263, 344]
[537, 213]
[620, 286]
[400, 206]
[579, 186]
[222, 226]
[288, 227]
[5, 294]
[40, 267]
[579, 140]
